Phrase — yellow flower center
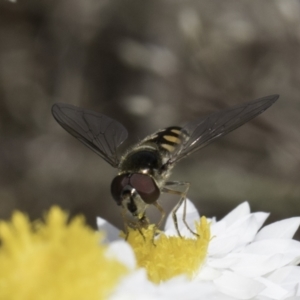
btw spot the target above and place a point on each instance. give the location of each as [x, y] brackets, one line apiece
[56, 259]
[168, 256]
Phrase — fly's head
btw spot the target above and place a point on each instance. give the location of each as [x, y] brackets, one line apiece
[134, 192]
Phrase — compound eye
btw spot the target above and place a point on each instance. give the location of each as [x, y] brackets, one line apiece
[145, 186]
[117, 186]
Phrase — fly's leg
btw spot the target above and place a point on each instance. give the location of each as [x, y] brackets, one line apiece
[129, 223]
[125, 221]
[162, 212]
[182, 200]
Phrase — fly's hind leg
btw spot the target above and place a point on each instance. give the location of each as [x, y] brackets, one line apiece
[182, 194]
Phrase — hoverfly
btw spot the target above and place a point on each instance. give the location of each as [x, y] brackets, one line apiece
[144, 170]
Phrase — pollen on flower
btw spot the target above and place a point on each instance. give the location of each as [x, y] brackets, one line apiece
[55, 259]
[168, 256]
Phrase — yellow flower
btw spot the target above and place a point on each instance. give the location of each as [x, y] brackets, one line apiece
[169, 256]
[56, 259]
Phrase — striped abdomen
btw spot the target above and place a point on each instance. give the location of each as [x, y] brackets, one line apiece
[169, 139]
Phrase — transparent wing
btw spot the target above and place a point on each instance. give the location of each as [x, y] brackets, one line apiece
[203, 131]
[100, 133]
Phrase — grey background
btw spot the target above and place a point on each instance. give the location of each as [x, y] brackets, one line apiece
[149, 64]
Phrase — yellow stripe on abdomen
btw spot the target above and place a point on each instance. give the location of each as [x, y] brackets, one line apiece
[172, 139]
[176, 131]
[168, 147]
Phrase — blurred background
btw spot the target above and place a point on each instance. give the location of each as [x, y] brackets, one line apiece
[149, 64]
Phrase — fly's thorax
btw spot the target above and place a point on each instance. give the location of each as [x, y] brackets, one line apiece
[142, 159]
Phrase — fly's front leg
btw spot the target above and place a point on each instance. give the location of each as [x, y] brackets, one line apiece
[135, 225]
[182, 200]
[125, 221]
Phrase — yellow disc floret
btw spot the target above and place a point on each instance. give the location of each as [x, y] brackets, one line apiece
[167, 256]
[55, 259]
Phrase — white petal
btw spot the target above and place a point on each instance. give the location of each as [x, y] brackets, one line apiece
[253, 265]
[272, 290]
[121, 251]
[136, 286]
[274, 246]
[112, 233]
[207, 273]
[222, 263]
[236, 235]
[246, 228]
[237, 286]
[250, 221]
[220, 246]
[191, 217]
[241, 210]
[182, 288]
[249, 265]
[281, 229]
[298, 291]
[288, 277]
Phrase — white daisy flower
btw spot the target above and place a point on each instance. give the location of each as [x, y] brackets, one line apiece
[229, 259]
[234, 261]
